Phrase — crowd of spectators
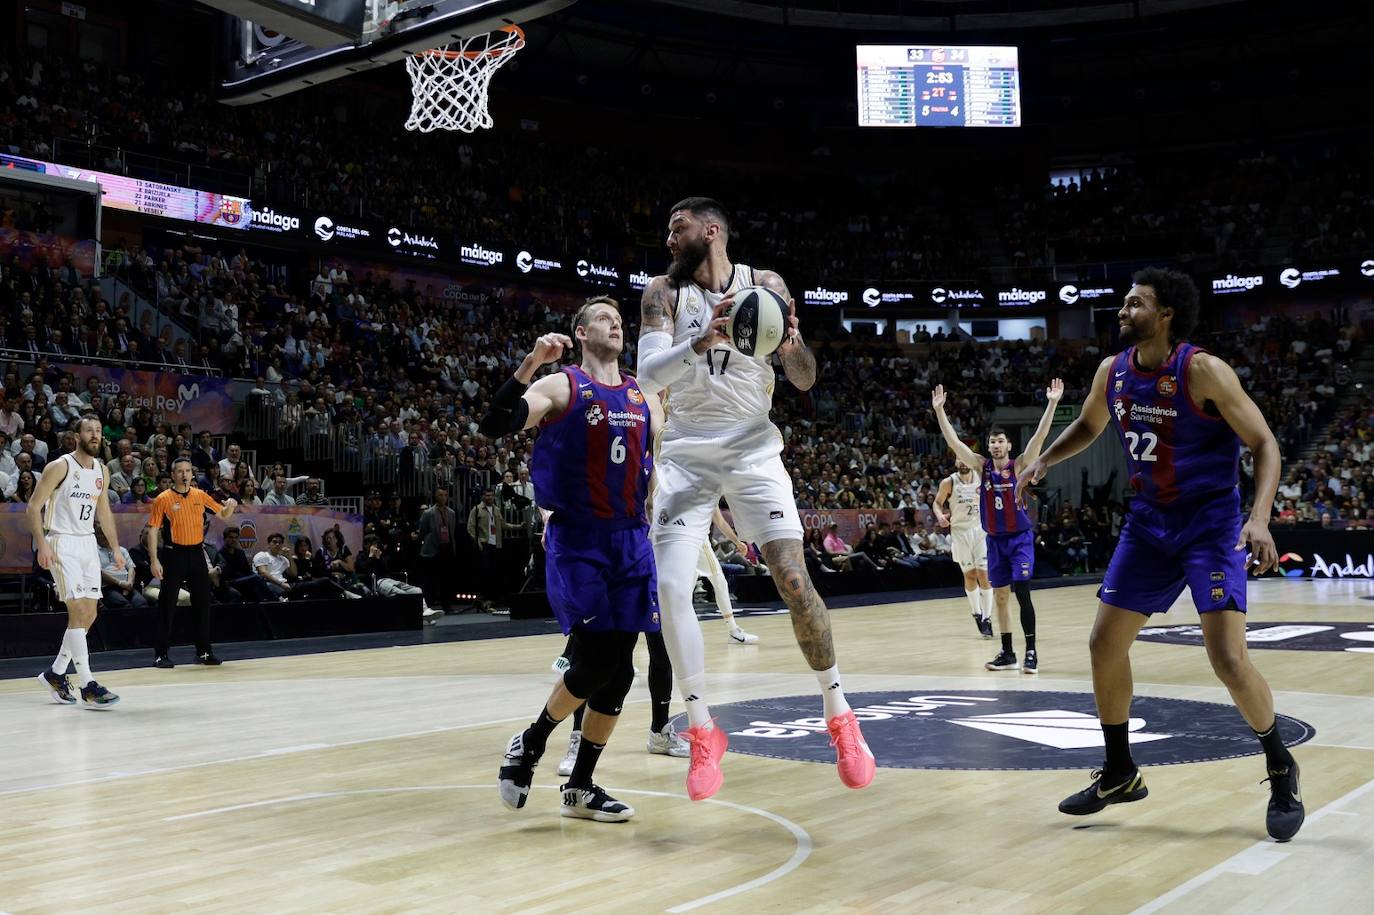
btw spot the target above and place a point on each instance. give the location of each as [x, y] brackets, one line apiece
[843, 218]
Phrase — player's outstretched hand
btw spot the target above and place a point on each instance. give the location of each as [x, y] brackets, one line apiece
[1033, 473]
[551, 347]
[1263, 554]
[1055, 391]
[937, 397]
[713, 334]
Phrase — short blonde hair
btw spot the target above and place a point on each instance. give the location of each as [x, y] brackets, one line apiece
[582, 319]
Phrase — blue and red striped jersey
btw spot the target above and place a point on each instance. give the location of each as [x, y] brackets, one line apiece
[1001, 514]
[1174, 449]
[592, 462]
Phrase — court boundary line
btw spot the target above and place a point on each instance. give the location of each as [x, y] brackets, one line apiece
[802, 851]
[1228, 866]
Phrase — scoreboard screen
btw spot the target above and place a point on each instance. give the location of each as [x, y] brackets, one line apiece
[938, 86]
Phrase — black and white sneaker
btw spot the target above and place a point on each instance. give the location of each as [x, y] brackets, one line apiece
[1105, 790]
[93, 695]
[1286, 812]
[58, 686]
[985, 627]
[1005, 660]
[163, 662]
[592, 803]
[517, 773]
[208, 659]
[1032, 663]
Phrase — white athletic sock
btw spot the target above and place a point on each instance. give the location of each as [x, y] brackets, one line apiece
[973, 602]
[693, 690]
[986, 594]
[76, 644]
[64, 657]
[677, 565]
[832, 694]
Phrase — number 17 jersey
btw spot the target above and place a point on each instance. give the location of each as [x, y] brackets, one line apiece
[727, 389]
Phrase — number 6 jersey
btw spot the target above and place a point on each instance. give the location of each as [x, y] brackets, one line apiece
[727, 389]
[1174, 449]
[591, 462]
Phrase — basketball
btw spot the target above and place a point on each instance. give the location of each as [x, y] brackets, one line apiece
[757, 321]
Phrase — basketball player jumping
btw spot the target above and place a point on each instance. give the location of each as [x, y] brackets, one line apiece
[970, 545]
[71, 496]
[1010, 532]
[591, 468]
[1181, 415]
[719, 441]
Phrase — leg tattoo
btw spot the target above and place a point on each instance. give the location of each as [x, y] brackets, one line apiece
[810, 618]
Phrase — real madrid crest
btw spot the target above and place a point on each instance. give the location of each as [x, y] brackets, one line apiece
[693, 306]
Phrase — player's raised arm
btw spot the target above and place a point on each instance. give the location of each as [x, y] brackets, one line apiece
[660, 362]
[1211, 379]
[1081, 433]
[940, 505]
[52, 477]
[1053, 393]
[961, 451]
[519, 404]
[798, 362]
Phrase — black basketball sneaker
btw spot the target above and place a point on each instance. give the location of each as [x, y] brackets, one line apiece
[58, 686]
[1105, 790]
[1005, 660]
[592, 803]
[1286, 812]
[516, 774]
[93, 695]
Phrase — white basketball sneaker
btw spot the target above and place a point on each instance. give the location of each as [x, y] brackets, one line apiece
[738, 636]
[570, 758]
[668, 742]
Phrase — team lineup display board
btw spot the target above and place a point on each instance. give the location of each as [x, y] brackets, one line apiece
[936, 86]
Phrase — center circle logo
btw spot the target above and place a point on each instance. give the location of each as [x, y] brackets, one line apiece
[525, 261]
[995, 730]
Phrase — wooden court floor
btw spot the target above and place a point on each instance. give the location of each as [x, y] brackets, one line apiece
[363, 781]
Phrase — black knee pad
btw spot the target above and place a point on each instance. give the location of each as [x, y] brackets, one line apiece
[593, 662]
[610, 697]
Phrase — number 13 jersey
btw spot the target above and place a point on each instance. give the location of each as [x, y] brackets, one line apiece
[71, 507]
[1174, 449]
[727, 389]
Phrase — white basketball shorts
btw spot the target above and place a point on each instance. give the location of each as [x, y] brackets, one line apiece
[970, 548]
[76, 566]
[695, 469]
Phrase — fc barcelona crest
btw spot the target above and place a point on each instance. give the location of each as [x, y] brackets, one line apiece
[1218, 593]
[1119, 384]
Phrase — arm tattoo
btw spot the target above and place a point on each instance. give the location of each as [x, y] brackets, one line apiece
[656, 307]
[799, 363]
[810, 618]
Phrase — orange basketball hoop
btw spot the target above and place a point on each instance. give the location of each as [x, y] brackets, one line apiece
[448, 86]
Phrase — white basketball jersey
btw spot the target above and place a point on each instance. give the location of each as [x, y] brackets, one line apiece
[71, 508]
[727, 388]
[963, 503]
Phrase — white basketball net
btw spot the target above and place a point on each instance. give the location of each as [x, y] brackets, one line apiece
[448, 86]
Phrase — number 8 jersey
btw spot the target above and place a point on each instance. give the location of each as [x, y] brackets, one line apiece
[727, 390]
[1174, 449]
[591, 462]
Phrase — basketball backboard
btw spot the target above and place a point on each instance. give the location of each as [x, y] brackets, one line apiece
[267, 59]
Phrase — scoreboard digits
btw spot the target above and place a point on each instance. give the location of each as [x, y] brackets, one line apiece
[937, 86]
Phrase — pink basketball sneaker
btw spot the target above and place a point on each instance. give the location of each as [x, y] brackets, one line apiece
[853, 757]
[703, 775]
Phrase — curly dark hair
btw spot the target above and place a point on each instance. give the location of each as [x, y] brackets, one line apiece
[1176, 292]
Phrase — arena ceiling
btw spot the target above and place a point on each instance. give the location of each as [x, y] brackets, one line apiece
[939, 15]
